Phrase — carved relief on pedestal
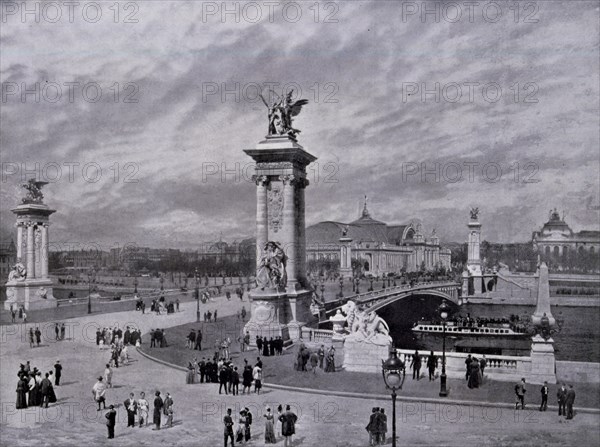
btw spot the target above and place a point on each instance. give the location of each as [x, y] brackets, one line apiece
[275, 207]
[264, 312]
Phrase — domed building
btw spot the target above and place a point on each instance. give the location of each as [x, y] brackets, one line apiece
[380, 248]
[561, 247]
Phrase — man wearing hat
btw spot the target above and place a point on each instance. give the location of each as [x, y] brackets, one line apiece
[57, 372]
[99, 393]
[111, 420]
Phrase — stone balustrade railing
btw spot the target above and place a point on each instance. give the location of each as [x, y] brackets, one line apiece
[317, 335]
[499, 367]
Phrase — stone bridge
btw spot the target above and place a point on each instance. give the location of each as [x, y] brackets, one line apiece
[377, 299]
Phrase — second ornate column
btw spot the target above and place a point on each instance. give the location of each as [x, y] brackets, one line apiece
[262, 228]
[30, 252]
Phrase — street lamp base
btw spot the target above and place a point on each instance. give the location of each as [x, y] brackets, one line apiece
[443, 389]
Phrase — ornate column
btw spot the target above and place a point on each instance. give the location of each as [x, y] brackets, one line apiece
[290, 226]
[30, 251]
[302, 184]
[262, 225]
[19, 240]
[44, 251]
[37, 236]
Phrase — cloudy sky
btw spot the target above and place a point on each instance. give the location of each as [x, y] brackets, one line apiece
[138, 117]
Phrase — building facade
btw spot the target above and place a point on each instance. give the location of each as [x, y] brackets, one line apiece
[377, 247]
[563, 249]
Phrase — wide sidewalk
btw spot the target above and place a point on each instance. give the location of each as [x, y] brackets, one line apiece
[199, 408]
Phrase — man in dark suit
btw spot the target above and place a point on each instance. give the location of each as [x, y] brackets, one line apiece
[416, 365]
[570, 401]
[191, 339]
[198, 345]
[57, 373]
[228, 422]
[520, 392]
[544, 391]
[382, 426]
[152, 338]
[111, 420]
[223, 376]
[45, 387]
[202, 368]
[131, 407]
[561, 395]
[372, 426]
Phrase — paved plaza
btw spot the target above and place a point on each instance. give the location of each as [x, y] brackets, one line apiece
[324, 419]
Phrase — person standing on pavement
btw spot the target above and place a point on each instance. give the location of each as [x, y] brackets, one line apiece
[416, 365]
[198, 345]
[320, 353]
[131, 406]
[111, 420]
[143, 408]
[520, 392]
[432, 363]
[57, 373]
[158, 406]
[561, 395]
[570, 401]
[288, 426]
[544, 392]
[228, 423]
[99, 393]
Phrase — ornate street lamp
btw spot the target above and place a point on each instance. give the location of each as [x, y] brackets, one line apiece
[371, 287]
[322, 292]
[162, 280]
[341, 286]
[394, 373]
[135, 284]
[357, 282]
[394, 278]
[91, 275]
[443, 310]
[197, 296]
[382, 281]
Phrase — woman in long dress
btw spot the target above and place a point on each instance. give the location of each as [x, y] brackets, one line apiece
[330, 367]
[143, 408]
[21, 392]
[269, 428]
[475, 374]
[158, 405]
[239, 432]
[51, 393]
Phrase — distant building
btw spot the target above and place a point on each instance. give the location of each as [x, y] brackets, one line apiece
[378, 247]
[563, 249]
[8, 258]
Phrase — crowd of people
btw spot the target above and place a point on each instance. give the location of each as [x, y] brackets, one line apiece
[34, 387]
[158, 338]
[222, 371]
[242, 432]
[269, 346]
[377, 426]
[322, 358]
[110, 337]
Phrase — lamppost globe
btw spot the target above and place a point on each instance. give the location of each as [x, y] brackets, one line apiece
[393, 370]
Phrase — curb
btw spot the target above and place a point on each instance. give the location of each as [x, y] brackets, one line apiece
[467, 403]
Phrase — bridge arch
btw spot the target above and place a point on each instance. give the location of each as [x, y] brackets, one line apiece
[452, 297]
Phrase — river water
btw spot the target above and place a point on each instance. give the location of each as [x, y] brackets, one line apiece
[577, 340]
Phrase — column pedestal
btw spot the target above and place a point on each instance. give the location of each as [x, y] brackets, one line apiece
[543, 362]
